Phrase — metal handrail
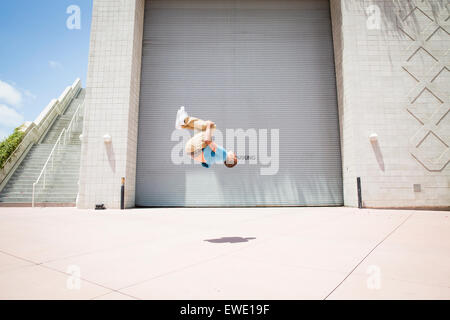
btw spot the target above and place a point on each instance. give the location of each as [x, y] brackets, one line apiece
[44, 170]
[46, 119]
[66, 132]
[75, 119]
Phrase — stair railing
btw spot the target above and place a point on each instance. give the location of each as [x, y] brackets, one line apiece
[74, 122]
[66, 133]
[51, 160]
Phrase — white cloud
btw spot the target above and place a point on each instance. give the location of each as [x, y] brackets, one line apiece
[30, 95]
[9, 117]
[55, 64]
[4, 134]
[9, 94]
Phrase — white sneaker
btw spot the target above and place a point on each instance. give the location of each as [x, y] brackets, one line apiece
[181, 116]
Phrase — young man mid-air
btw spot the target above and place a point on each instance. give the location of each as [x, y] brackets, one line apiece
[201, 146]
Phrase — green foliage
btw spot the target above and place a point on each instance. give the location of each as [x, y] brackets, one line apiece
[10, 144]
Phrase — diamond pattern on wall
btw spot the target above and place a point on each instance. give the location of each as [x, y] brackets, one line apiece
[427, 61]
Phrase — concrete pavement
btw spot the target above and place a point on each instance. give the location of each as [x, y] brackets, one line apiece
[261, 253]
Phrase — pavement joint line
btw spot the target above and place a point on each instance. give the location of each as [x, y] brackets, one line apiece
[84, 279]
[115, 291]
[37, 264]
[312, 227]
[111, 248]
[368, 254]
[200, 262]
[20, 258]
[87, 253]
[42, 264]
[214, 258]
[186, 267]
[228, 253]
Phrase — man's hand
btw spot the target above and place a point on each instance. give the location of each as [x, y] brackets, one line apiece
[210, 123]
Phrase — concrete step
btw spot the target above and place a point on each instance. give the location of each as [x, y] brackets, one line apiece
[69, 164]
[41, 193]
[46, 192]
[66, 180]
[71, 142]
[56, 156]
[41, 199]
[39, 163]
[53, 190]
[49, 146]
[33, 175]
[56, 159]
[62, 180]
[36, 162]
[36, 165]
[74, 140]
[29, 187]
[55, 169]
[61, 123]
[62, 184]
[37, 204]
[30, 179]
[57, 165]
[45, 155]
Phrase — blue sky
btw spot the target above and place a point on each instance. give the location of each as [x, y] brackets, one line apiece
[39, 56]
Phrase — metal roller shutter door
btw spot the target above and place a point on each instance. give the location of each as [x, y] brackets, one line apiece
[243, 64]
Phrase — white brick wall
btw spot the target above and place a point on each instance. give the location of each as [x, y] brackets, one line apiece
[112, 102]
[377, 95]
[379, 77]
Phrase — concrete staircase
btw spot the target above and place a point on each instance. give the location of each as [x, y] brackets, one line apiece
[62, 181]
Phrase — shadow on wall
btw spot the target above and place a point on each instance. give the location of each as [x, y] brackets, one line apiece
[230, 240]
[392, 12]
[378, 154]
[390, 9]
[111, 156]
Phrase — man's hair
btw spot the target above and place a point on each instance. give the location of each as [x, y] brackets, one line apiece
[231, 165]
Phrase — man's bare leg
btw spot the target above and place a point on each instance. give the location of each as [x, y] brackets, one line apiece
[193, 123]
[203, 131]
[201, 139]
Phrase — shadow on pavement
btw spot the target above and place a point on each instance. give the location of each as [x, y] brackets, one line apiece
[230, 240]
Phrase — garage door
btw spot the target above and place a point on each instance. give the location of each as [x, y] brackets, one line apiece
[264, 72]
